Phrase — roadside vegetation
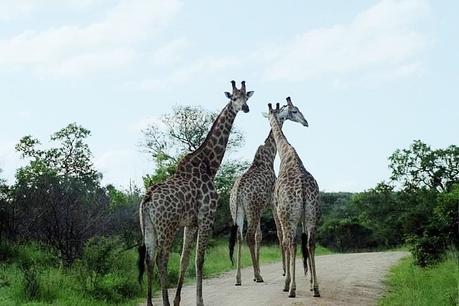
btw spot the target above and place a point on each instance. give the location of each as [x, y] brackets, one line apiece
[410, 284]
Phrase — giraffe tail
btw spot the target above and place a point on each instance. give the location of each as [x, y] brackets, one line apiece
[232, 242]
[304, 251]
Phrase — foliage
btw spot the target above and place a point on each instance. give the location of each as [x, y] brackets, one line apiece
[412, 285]
[438, 231]
[346, 235]
[124, 214]
[183, 130]
[420, 166]
[57, 197]
[101, 271]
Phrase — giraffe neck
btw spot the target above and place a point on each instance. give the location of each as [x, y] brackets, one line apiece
[281, 141]
[212, 150]
[266, 153]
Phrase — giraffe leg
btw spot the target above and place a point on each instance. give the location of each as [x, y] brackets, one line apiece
[239, 253]
[286, 249]
[310, 272]
[203, 239]
[279, 238]
[150, 244]
[189, 237]
[250, 236]
[258, 237]
[292, 289]
[161, 262]
[240, 228]
[312, 247]
[150, 262]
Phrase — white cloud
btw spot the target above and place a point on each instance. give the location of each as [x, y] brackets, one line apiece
[383, 40]
[106, 44]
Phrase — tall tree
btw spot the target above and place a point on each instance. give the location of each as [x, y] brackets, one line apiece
[182, 131]
[421, 166]
[58, 193]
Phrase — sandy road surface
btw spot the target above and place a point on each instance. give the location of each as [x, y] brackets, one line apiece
[344, 279]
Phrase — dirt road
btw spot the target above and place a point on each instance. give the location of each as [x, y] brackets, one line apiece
[345, 279]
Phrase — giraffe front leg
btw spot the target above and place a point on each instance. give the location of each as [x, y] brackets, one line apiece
[189, 237]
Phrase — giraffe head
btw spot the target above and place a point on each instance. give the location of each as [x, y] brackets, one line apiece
[287, 112]
[239, 97]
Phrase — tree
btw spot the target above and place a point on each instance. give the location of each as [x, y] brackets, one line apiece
[58, 194]
[429, 179]
[181, 132]
[420, 166]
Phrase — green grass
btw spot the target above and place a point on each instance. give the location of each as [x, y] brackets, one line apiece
[60, 286]
[412, 285]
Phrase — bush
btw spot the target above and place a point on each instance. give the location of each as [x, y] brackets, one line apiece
[439, 232]
[426, 249]
[105, 272]
[346, 235]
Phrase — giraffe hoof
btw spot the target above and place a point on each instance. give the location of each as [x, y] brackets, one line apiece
[292, 294]
[237, 284]
[260, 280]
[283, 274]
[285, 289]
[316, 292]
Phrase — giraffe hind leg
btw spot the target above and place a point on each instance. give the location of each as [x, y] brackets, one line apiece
[189, 237]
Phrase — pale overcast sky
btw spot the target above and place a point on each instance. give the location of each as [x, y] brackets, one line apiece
[369, 76]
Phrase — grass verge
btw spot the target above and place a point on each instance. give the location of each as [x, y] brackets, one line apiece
[412, 285]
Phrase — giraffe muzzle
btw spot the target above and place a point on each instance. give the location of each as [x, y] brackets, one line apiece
[245, 108]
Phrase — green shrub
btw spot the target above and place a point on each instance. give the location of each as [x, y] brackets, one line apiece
[346, 235]
[105, 272]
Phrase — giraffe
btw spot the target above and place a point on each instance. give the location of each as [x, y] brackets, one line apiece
[187, 199]
[297, 200]
[252, 194]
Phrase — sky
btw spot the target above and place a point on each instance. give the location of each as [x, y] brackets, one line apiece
[369, 76]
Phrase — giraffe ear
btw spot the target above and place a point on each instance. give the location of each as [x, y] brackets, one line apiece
[265, 114]
[249, 94]
[228, 95]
